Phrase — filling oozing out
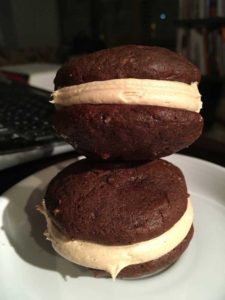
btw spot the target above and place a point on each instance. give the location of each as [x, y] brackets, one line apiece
[113, 259]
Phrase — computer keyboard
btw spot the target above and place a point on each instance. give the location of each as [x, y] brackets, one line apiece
[26, 121]
[25, 117]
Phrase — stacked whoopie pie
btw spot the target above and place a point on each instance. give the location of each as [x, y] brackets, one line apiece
[123, 211]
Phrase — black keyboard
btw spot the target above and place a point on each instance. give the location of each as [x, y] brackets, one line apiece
[25, 117]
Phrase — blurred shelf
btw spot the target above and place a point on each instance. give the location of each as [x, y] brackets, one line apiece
[210, 23]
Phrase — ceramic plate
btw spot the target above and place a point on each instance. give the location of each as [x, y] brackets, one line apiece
[29, 269]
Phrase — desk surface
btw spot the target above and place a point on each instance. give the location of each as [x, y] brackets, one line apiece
[204, 148]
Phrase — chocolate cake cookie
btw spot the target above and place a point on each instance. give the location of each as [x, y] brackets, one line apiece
[129, 61]
[129, 102]
[97, 213]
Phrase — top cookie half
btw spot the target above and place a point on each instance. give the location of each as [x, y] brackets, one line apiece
[130, 61]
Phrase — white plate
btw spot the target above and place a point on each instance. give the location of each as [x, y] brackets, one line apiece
[29, 269]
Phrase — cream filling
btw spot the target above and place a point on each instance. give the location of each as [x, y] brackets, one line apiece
[113, 259]
[164, 93]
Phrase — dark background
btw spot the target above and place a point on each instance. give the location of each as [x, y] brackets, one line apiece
[33, 23]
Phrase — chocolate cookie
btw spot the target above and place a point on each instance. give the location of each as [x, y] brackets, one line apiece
[129, 61]
[127, 132]
[116, 204]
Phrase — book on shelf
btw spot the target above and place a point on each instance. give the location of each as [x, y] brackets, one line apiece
[201, 9]
[203, 48]
[220, 8]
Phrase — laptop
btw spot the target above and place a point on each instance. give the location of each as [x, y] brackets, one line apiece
[26, 131]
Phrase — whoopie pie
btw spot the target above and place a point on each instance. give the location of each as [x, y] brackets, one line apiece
[127, 219]
[128, 103]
